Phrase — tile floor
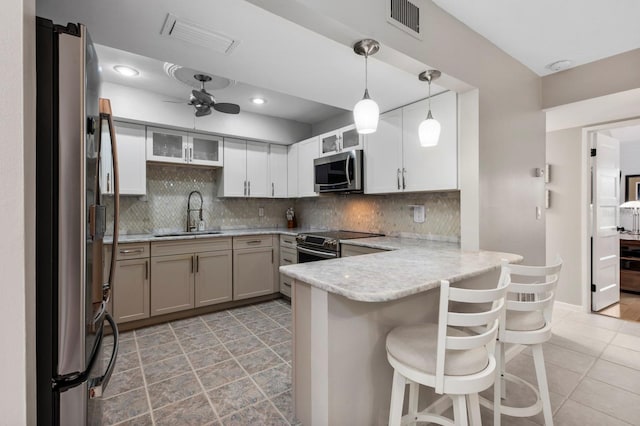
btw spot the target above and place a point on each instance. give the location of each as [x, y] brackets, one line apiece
[227, 368]
[234, 367]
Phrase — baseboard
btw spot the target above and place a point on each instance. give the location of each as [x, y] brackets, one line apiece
[569, 306]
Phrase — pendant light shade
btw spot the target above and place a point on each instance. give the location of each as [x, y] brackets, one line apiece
[429, 129]
[366, 112]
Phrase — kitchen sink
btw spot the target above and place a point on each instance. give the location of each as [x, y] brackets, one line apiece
[184, 234]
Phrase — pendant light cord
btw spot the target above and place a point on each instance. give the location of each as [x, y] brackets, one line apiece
[366, 76]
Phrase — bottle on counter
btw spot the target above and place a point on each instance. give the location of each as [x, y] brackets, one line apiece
[291, 218]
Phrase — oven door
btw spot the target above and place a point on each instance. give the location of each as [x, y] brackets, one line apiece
[311, 255]
[339, 172]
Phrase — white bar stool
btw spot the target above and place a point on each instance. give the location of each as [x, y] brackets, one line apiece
[452, 361]
[529, 308]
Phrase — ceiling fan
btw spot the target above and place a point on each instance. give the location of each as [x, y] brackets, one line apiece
[203, 101]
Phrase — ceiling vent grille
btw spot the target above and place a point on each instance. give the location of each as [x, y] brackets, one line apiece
[404, 15]
[193, 33]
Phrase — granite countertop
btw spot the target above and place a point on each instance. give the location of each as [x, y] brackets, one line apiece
[143, 238]
[411, 266]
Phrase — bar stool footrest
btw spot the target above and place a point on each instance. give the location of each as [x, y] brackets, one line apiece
[529, 411]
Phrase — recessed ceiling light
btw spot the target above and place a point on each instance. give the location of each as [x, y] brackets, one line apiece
[560, 65]
[259, 101]
[126, 71]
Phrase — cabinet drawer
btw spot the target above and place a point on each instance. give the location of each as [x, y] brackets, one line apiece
[629, 280]
[252, 241]
[288, 241]
[132, 251]
[288, 256]
[169, 248]
[285, 285]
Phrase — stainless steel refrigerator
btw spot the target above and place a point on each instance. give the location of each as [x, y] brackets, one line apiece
[72, 295]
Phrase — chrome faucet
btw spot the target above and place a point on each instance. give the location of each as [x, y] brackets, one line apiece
[192, 226]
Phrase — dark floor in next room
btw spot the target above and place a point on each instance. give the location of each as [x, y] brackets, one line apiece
[230, 367]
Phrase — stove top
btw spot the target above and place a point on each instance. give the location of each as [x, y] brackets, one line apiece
[341, 235]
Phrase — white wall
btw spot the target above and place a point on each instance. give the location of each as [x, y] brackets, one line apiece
[141, 105]
[511, 123]
[564, 229]
[17, 38]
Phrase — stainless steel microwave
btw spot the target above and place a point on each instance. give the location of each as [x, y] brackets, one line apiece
[340, 172]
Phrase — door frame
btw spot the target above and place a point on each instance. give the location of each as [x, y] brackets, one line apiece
[585, 214]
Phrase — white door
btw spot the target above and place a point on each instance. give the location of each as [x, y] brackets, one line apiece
[258, 169]
[234, 172]
[308, 151]
[605, 253]
[278, 170]
[383, 152]
[292, 171]
[431, 168]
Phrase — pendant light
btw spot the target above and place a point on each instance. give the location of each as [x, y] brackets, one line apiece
[366, 111]
[429, 129]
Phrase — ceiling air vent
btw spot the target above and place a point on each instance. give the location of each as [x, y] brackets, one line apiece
[404, 15]
[197, 34]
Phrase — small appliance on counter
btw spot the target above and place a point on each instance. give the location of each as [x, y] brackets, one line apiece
[324, 245]
[291, 218]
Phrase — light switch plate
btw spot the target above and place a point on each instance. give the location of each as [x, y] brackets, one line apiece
[261, 211]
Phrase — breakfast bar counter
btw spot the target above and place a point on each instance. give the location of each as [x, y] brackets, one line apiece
[344, 308]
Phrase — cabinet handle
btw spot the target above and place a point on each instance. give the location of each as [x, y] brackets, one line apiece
[254, 242]
[272, 256]
[108, 182]
[197, 264]
[190, 155]
[192, 263]
[273, 189]
[404, 182]
[286, 284]
[186, 158]
[245, 188]
[288, 260]
[146, 270]
[129, 251]
[249, 189]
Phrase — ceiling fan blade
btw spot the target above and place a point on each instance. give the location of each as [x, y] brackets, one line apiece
[177, 102]
[203, 97]
[201, 112]
[227, 108]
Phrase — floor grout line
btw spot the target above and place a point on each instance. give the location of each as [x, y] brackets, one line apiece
[144, 381]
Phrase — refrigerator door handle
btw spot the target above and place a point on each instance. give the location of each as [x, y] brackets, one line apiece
[71, 380]
[98, 385]
[105, 113]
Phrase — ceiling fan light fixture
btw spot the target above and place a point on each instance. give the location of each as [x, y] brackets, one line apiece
[127, 71]
[366, 112]
[429, 129]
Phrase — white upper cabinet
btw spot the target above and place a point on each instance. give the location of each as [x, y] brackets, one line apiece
[174, 146]
[292, 170]
[394, 159]
[383, 155]
[431, 168]
[308, 150]
[130, 143]
[258, 170]
[205, 150]
[345, 138]
[246, 169]
[278, 170]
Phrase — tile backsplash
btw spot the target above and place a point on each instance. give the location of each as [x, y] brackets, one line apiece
[164, 208]
[388, 214]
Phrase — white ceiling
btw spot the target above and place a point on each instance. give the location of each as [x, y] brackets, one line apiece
[273, 53]
[153, 78]
[539, 32]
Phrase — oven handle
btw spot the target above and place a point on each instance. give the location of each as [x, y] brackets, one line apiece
[323, 254]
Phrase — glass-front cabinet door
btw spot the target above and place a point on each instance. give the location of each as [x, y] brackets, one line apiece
[329, 143]
[205, 150]
[350, 139]
[167, 146]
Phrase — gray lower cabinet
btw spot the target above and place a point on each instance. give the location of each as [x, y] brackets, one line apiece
[213, 277]
[172, 287]
[252, 274]
[131, 292]
[288, 256]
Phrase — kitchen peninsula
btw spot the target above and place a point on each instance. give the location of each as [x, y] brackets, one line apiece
[343, 309]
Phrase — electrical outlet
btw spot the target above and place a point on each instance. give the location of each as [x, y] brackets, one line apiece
[261, 211]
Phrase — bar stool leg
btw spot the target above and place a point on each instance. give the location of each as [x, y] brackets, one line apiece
[543, 386]
[414, 394]
[474, 409]
[460, 410]
[498, 385]
[397, 399]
